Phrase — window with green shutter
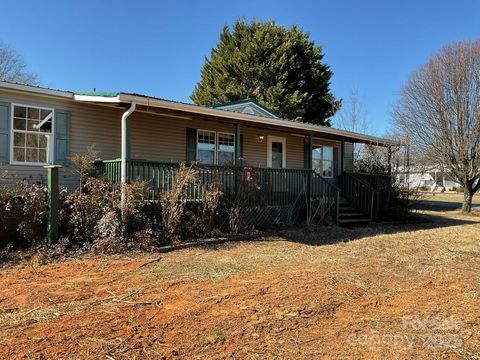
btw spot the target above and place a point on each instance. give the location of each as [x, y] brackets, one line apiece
[32, 135]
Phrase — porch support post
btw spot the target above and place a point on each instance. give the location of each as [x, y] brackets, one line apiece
[52, 187]
[342, 157]
[389, 156]
[125, 145]
[238, 149]
[309, 179]
[310, 150]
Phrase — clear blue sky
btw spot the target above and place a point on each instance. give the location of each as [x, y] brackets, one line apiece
[158, 47]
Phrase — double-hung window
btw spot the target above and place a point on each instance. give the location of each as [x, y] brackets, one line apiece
[215, 147]
[322, 160]
[226, 149]
[32, 135]
[206, 147]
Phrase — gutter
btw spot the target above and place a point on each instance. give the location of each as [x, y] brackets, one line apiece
[123, 173]
[145, 101]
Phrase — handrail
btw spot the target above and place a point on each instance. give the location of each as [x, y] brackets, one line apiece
[278, 186]
[326, 181]
[328, 195]
[359, 193]
[366, 183]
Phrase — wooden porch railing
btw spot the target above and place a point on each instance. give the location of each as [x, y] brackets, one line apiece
[325, 194]
[359, 193]
[278, 186]
[383, 185]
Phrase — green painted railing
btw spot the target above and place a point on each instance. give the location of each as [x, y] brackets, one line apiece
[359, 193]
[382, 183]
[263, 186]
[325, 197]
[273, 186]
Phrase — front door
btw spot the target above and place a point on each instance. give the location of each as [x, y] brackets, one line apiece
[276, 152]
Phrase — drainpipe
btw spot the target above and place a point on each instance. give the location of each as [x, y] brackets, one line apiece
[123, 172]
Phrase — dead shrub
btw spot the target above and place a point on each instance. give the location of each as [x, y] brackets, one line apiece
[125, 227]
[83, 209]
[183, 215]
[249, 192]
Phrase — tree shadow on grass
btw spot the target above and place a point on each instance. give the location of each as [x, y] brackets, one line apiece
[325, 235]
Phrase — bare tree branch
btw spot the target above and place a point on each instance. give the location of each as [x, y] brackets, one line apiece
[439, 111]
[13, 67]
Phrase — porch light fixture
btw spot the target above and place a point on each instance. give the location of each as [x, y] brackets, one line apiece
[260, 138]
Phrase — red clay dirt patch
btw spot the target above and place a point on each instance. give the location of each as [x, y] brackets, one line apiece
[403, 295]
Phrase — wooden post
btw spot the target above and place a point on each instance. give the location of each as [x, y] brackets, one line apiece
[237, 158]
[309, 178]
[52, 185]
[341, 157]
[238, 149]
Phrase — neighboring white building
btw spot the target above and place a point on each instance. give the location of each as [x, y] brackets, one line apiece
[432, 178]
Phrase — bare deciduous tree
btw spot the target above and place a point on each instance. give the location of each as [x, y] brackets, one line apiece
[352, 117]
[13, 67]
[439, 111]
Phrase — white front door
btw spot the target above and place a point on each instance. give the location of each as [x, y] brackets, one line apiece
[276, 152]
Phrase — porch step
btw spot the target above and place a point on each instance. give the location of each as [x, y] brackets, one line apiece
[350, 216]
[353, 214]
[354, 221]
[347, 209]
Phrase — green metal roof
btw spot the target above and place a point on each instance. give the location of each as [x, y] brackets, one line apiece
[97, 93]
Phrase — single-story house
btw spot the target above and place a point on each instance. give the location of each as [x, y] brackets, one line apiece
[139, 136]
[428, 178]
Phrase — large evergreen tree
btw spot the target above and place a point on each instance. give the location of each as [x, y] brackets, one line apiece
[280, 68]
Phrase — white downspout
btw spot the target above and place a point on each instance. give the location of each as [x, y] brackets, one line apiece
[123, 171]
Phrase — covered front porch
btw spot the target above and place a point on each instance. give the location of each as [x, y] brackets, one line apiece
[303, 171]
[281, 195]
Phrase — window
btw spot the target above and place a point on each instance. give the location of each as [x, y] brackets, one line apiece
[215, 148]
[206, 147]
[226, 149]
[327, 165]
[322, 160]
[32, 129]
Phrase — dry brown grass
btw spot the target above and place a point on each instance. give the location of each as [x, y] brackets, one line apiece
[312, 293]
[449, 197]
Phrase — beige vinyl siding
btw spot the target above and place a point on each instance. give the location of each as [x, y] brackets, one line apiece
[153, 137]
[89, 124]
[160, 138]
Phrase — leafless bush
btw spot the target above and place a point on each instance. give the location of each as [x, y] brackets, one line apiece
[184, 216]
[124, 227]
[83, 164]
[248, 192]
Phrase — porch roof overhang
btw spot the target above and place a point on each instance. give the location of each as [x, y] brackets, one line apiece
[179, 109]
[172, 108]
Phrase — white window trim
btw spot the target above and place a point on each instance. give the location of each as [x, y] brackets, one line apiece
[216, 147]
[51, 137]
[322, 146]
[279, 139]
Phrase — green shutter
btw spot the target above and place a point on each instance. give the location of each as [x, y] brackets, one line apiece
[335, 162]
[62, 137]
[4, 133]
[191, 145]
